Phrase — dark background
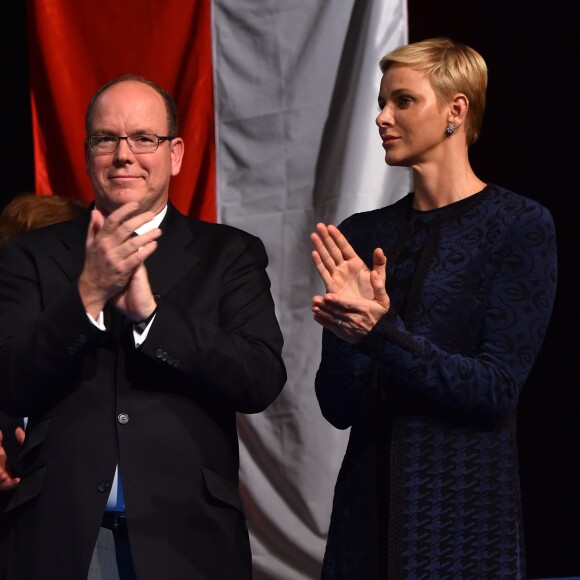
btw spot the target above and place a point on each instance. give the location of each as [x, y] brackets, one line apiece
[527, 144]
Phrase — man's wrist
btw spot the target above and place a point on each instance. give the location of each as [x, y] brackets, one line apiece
[141, 325]
[147, 320]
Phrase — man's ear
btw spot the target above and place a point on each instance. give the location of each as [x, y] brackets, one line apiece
[177, 150]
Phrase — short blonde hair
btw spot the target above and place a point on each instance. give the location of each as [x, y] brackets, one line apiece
[452, 67]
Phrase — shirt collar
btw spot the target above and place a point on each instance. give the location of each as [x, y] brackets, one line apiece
[154, 223]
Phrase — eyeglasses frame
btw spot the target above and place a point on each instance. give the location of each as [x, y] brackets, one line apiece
[160, 139]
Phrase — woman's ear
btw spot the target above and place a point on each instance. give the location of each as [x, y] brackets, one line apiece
[458, 109]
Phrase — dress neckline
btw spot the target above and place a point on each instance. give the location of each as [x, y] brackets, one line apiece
[444, 208]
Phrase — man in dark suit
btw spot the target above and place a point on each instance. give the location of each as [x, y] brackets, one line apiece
[131, 355]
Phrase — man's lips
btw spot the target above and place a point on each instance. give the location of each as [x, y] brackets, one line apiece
[123, 177]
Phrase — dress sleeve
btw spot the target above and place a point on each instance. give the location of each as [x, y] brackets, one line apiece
[482, 380]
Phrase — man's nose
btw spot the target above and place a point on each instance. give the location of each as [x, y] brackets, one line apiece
[123, 148]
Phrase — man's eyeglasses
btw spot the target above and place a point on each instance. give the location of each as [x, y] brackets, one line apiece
[143, 143]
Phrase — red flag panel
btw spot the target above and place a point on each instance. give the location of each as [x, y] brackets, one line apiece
[74, 47]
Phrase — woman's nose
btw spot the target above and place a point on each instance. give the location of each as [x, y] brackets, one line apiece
[384, 117]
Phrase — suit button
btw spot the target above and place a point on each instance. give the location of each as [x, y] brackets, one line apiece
[103, 487]
[123, 418]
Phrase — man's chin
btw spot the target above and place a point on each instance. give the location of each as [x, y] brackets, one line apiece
[120, 196]
[109, 201]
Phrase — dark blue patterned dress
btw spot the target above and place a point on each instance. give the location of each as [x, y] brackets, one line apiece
[429, 485]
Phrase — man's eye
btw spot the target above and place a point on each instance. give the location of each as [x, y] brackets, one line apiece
[104, 139]
[144, 139]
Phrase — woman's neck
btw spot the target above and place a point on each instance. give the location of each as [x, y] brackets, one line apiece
[441, 188]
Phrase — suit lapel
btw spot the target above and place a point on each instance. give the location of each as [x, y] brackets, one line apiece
[173, 258]
[71, 254]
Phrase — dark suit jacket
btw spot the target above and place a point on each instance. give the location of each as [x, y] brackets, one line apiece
[166, 411]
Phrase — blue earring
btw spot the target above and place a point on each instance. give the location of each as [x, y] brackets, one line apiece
[450, 129]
